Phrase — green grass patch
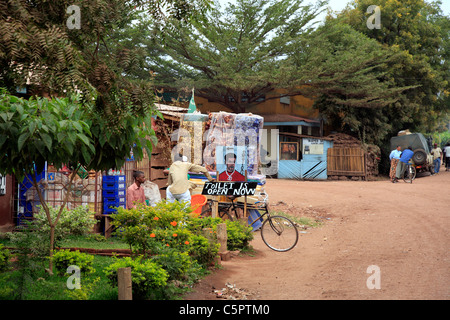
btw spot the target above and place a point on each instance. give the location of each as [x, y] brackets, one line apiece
[303, 221]
[34, 283]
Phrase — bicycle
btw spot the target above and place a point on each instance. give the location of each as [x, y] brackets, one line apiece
[410, 173]
[277, 232]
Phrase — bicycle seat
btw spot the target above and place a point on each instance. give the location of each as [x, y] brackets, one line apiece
[231, 197]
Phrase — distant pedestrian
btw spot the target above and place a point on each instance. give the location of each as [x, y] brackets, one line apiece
[447, 156]
[437, 156]
[395, 158]
[404, 159]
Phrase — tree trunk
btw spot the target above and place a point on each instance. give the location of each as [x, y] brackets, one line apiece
[51, 223]
[52, 243]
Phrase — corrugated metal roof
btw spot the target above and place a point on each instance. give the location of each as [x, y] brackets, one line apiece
[286, 118]
[171, 111]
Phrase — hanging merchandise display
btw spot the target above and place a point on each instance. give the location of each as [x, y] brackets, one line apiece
[247, 133]
[220, 133]
[190, 136]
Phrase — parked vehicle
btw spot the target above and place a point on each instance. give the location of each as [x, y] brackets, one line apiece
[422, 160]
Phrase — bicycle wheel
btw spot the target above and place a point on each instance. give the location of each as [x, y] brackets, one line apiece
[279, 233]
[206, 210]
[226, 212]
[410, 174]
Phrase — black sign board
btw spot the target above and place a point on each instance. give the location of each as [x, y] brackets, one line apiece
[229, 188]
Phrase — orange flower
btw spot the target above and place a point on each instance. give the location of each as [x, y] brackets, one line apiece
[167, 244]
[152, 235]
[174, 235]
[173, 223]
[187, 242]
[156, 218]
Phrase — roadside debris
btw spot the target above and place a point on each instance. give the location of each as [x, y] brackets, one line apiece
[232, 292]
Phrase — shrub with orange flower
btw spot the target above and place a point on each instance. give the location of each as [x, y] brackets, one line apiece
[174, 223]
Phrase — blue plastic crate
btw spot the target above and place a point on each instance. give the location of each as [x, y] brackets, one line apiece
[114, 200]
[114, 186]
[253, 216]
[107, 193]
[114, 179]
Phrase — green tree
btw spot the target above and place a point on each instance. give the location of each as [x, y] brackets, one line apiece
[236, 56]
[38, 46]
[348, 80]
[418, 33]
[111, 113]
[233, 56]
[60, 131]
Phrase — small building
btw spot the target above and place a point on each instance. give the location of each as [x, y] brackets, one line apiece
[294, 131]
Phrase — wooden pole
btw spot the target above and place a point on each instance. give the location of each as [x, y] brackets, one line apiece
[222, 236]
[124, 283]
[215, 204]
[245, 198]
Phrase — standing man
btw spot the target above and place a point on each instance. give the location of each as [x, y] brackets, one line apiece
[404, 159]
[437, 157]
[135, 192]
[395, 158]
[178, 183]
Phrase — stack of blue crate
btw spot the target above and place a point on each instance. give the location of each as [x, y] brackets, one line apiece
[114, 193]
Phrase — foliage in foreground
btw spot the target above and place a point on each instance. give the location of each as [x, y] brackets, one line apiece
[171, 252]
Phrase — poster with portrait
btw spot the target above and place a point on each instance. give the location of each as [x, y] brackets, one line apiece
[231, 163]
[288, 150]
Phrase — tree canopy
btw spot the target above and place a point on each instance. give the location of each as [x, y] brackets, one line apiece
[419, 34]
[96, 113]
[236, 56]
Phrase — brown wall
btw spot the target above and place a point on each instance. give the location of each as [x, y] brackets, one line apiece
[299, 106]
[7, 204]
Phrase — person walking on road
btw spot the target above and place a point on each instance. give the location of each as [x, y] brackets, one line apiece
[437, 157]
[395, 158]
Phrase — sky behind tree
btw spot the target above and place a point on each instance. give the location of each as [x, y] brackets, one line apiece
[338, 5]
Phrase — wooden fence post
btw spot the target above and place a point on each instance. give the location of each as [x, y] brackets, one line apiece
[124, 283]
[222, 236]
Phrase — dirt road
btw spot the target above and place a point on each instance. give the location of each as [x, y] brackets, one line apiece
[402, 229]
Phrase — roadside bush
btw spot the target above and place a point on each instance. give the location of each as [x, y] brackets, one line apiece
[176, 263]
[147, 228]
[170, 225]
[5, 255]
[202, 250]
[239, 235]
[146, 275]
[65, 258]
[76, 221]
[36, 234]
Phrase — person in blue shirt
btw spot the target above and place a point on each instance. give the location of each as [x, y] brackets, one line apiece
[404, 159]
[394, 157]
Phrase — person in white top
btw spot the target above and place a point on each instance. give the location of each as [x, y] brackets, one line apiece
[447, 156]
